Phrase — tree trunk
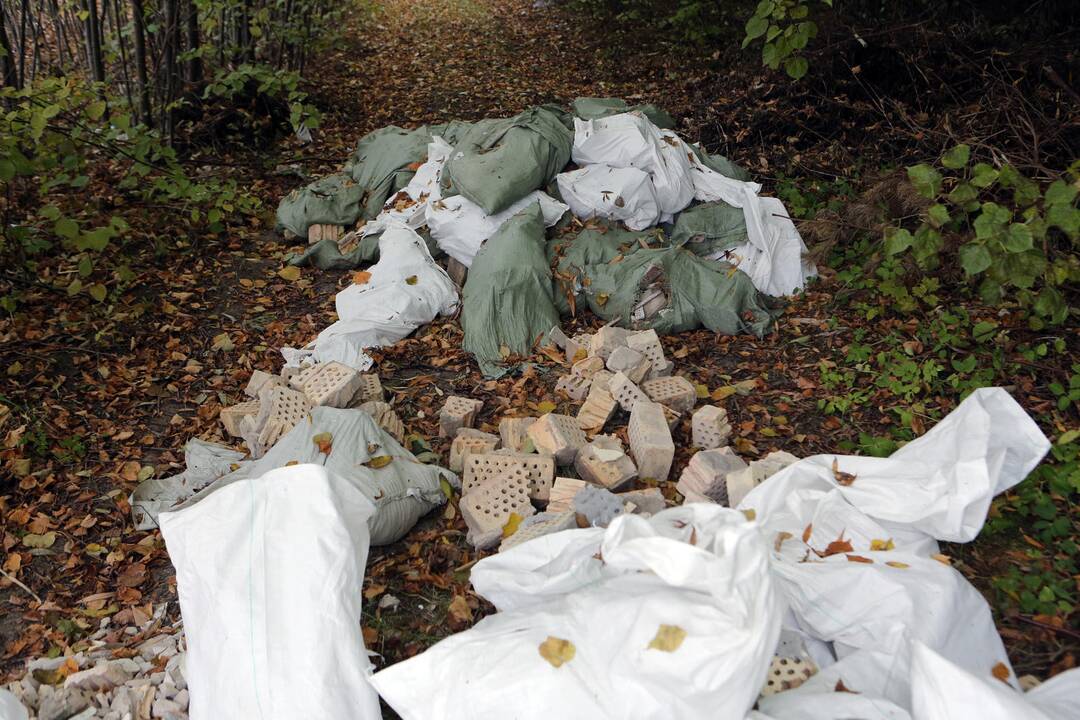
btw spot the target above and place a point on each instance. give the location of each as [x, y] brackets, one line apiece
[7, 63]
[94, 61]
[194, 65]
[140, 60]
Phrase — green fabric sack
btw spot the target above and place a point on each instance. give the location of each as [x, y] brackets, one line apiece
[507, 300]
[333, 200]
[720, 164]
[498, 162]
[380, 163]
[327, 255]
[590, 108]
[709, 227]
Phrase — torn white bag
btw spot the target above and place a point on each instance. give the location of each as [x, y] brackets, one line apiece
[942, 691]
[269, 572]
[672, 616]
[630, 140]
[204, 463]
[625, 194]
[860, 596]
[459, 226]
[409, 205]
[406, 289]
[402, 490]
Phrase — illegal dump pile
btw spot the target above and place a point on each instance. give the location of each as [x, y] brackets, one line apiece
[782, 588]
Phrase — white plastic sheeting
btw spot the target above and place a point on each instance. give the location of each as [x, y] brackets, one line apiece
[701, 570]
[401, 491]
[871, 605]
[11, 708]
[268, 572]
[625, 194]
[459, 226]
[406, 289]
[943, 691]
[204, 462]
[422, 191]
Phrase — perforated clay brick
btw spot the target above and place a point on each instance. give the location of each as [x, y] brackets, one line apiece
[232, 415]
[259, 380]
[599, 404]
[469, 441]
[629, 362]
[650, 440]
[710, 426]
[599, 506]
[539, 525]
[741, 482]
[557, 435]
[331, 384]
[370, 390]
[626, 392]
[280, 408]
[486, 508]
[587, 367]
[514, 432]
[573, 386]
[540, 470]
[606, 339]
[458, 412]
[385, 417]
[704, 479]
[676, 392]
[647, 342]
[563, 492]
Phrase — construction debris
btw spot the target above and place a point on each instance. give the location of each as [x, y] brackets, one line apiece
[458, 412]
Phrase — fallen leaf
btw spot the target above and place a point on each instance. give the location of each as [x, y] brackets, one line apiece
[838, 546]
[361, 277]
[807, 533]
[222, 342]
[843, 478]
[557, 651]
[46, 540]
[668, 638]
[511, 525]
[859, 559]
[371, 636]
[374, 591]
[290, 273]
[545, 407]
[379, 462]
[780, 538]
[1001, 672]
[723, 392]
[840, 687]
[878, 545]
[896, 564]
[411, 280]
[459, 610]
[943, 559]
[324, 441]
[132, 576]
[750, 513]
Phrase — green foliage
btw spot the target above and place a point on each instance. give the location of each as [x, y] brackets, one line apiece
[231, 83]
[784, 29]
[1017, 240]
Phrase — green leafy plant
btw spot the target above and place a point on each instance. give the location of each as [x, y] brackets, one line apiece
[1017, 239]
[785, 29]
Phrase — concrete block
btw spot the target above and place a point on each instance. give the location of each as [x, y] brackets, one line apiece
[676, 392]
[562, 494]
[587, 367]
[259, 380]
[741, 482]
[539, 525]
[458, 412]
[599, 404]
[322, 231]
[469, 441]
[704, 479]
[482, 468]
[558, 435]
[598, 506]
[650, 440]
[575, 387]
[385, 417]
[606, 339]
[514, 433]
[626, 392]
[331, 384]
[486, 508]
[603, 462]
[370, 390]
[648, 501]
[629, 362]
[710, 426]
[232, 415]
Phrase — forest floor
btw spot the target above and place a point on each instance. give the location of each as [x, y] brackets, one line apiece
[101, 399]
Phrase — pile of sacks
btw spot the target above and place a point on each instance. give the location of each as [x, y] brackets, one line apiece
[126, 673]
[640, 226]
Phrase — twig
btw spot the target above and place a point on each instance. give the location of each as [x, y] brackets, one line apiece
[1046, 626]
[20, 584]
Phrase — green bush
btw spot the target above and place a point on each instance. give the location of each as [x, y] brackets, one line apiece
[785, 30]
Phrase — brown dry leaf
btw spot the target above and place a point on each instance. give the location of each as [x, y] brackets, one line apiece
[723, 392]
[1001, 672]
[374, 591]
[840, 687]
[807, 533]
[838, 546]
[668, 638]
[557, 651]
[290, 273]
[943, 559]
[780, 538]
[750, 513]
[411, 280]
[379, 462]
[896, 564]
[881, 545]
[371, 636]
[324, 441]
[361, 277]
[859, 559]
[132, 576]
[460, 611]
[843, 478]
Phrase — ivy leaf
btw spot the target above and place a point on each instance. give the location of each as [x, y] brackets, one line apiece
[983, 175]
[963, 193]
[95, 110]
[974, 258]
[1019, 238]
[66, 228]
[957, 157]
[927, 180]
[98, 292]
[1060, 193]
[938, 214]
[897, 240]
[755, 28]
[796, 67]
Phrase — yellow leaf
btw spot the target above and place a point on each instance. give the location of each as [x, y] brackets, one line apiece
[750, 513]
[668, 638]
[411, 280]
[557, 651]
[292, 462]
[324, 441]
[896, 564]
[545, 407]
[290, 273]
[859, 559]
[882, 544]
[361, 278]
[943, 559]
[512, 525]
[702, 391]
[459, 609]
[379, 462]
[45, 540]
[723, 392]
[602, 299]
[780, 538]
